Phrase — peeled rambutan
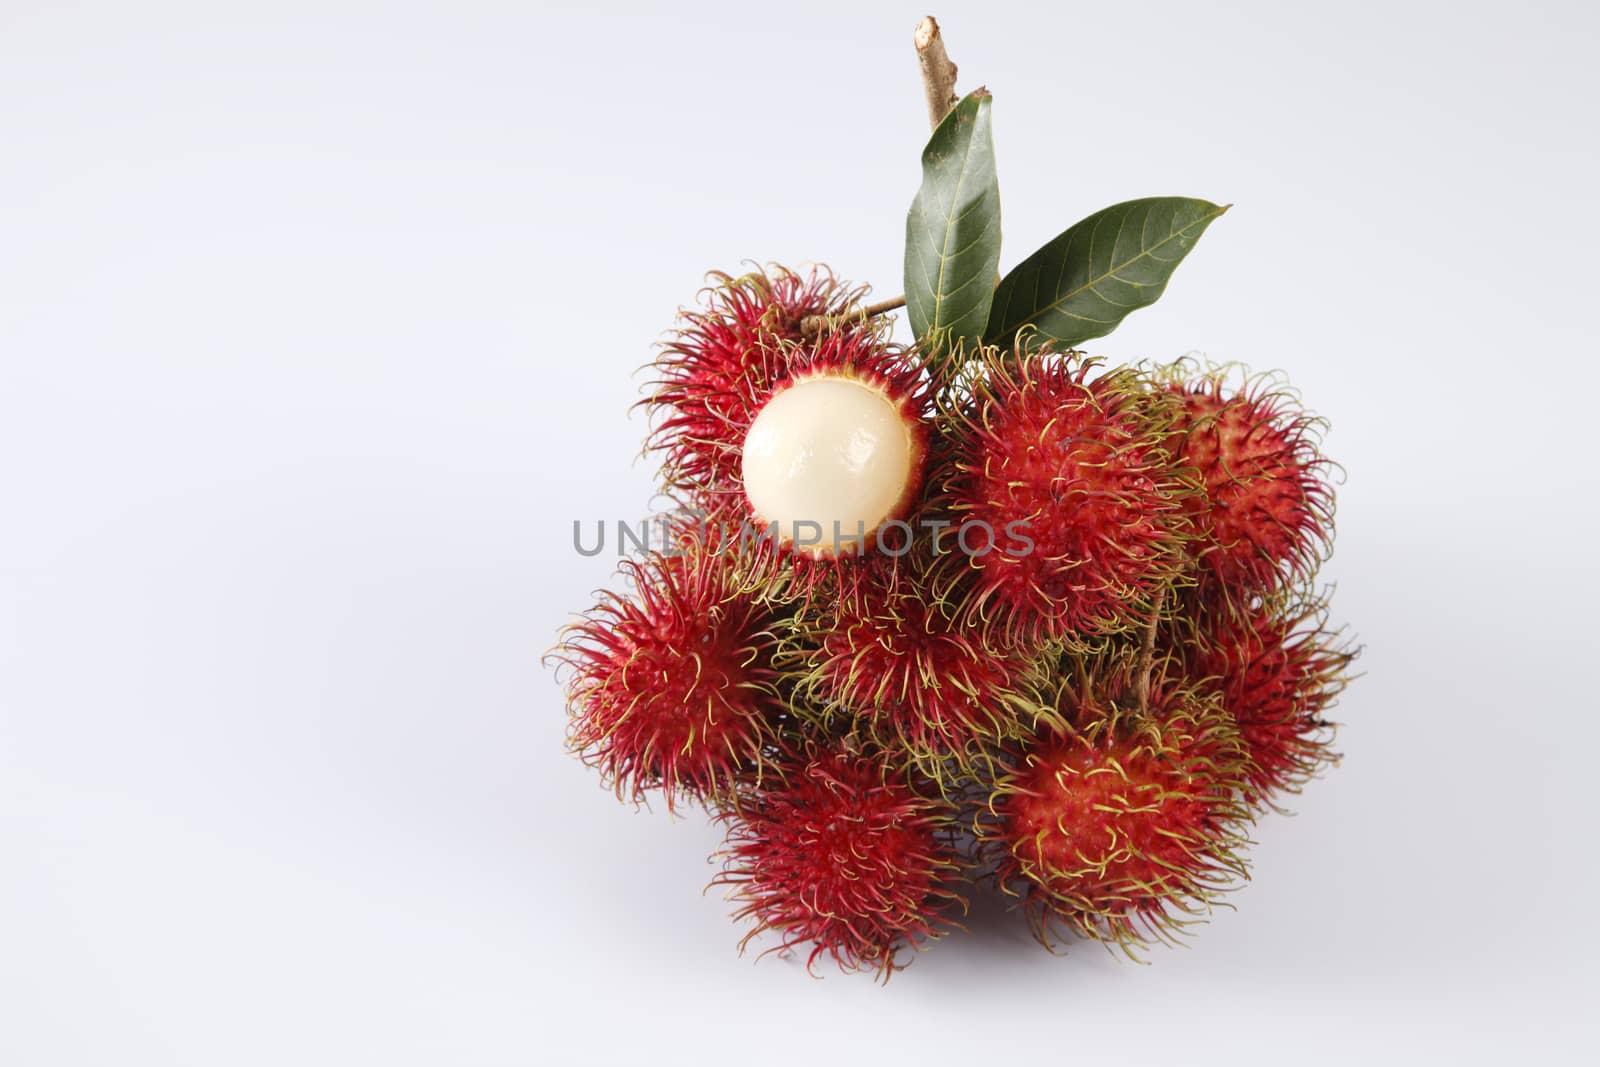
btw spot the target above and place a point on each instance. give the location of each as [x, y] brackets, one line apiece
[721, 365]
[1064, 499]
[917, 680]
[674, 688]
[837, 850]
[1265, 517]
[1277, 669]
[839, 446]
[1124, 827]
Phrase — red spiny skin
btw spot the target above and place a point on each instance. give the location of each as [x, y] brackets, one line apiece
[1266, 514]
[1277, 671]
[839, 852]
[1079, 467]
[920, 681]
[721, 366]
[673, 688]
[1118, 829]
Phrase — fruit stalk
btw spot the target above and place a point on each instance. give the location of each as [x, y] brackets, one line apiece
[1147, 652]
[938, 73]
[812, 325]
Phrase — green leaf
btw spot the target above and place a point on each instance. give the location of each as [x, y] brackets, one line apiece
[953, 230]
[1086, 281]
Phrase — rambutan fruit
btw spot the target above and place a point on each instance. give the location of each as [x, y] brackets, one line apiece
[917, 680]
[674, 688]
[837, 850]
[815, 438]
[720, 368]
[1066, 505]
[1277, 669]
[1265, 517]
[1124, 827]
[838, 447]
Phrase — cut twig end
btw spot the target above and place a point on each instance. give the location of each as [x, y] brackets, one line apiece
[938, 72]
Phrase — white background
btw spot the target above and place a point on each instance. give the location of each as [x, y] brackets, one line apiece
[318, 324]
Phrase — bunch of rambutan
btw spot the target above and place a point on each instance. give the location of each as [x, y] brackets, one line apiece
[977, 608]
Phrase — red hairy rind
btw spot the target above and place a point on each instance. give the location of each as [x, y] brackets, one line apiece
[1127, 827]
[1265, 518]
[916, 680]
[674, 688]
[1077, 465]
[1086, 686]
[729, 360]
[897, 564]
[787, 583]
[836, 850]
[722, 364]
[1278, 670]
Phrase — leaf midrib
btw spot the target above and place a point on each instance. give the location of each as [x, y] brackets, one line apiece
[1064, 297]
[949, 226]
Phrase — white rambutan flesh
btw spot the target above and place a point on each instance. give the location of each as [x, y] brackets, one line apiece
[829, 459]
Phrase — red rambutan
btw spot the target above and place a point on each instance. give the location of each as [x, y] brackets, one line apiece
[810, 439]
[1266, 514]
[947, 611]
[1064, 498]
[673, 688]
[916, 679]
[1126, 826]
[721, 365]
[1277, 670]
[837, 850]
